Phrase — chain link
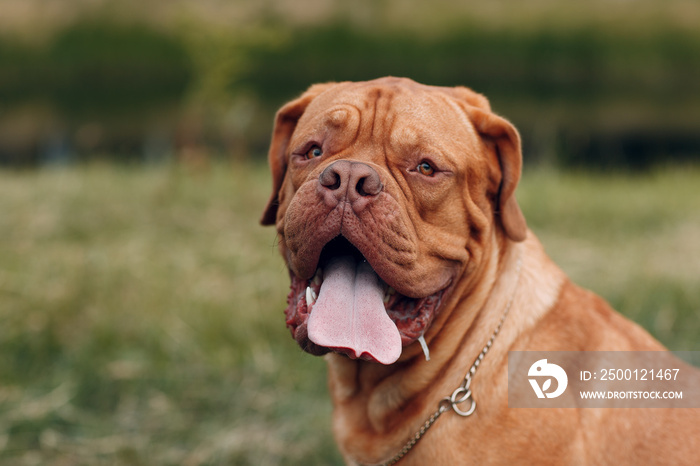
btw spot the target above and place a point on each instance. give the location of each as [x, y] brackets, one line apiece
[462, 393]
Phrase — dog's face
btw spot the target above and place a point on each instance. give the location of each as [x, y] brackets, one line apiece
[385, 195]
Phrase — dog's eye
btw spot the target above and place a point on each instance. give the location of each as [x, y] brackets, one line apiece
[425, 169]
[313, 152]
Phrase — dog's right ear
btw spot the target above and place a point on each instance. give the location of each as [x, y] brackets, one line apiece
[507, 142]
[285, 123]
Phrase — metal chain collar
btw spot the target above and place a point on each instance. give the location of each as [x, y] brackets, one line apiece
[462, 393]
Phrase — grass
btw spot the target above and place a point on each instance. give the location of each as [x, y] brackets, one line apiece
[632, 239]
[141, 308]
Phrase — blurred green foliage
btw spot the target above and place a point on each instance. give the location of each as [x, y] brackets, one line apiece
[97, 69]
[590, 95]
[576, 66]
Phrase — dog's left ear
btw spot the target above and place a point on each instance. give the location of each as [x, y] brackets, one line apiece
[285, 123]
[507, 143]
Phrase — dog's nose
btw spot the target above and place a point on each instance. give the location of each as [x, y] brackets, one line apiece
[355, 181]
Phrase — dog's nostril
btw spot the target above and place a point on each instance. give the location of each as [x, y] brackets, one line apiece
[359, 189]
[369, 185]
[330, 179]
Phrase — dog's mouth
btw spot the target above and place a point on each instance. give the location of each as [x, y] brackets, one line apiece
[346, 307]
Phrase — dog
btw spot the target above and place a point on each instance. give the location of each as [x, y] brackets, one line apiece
[394, 203]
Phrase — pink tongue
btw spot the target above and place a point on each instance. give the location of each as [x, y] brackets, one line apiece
[349, 314]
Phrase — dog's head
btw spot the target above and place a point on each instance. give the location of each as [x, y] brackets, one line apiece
[385, 194]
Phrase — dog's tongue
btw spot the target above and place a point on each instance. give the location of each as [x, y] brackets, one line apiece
[349, 313]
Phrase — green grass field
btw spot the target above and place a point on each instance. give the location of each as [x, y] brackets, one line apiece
[141, 308]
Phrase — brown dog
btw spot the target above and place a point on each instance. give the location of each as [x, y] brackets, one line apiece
[395, 208]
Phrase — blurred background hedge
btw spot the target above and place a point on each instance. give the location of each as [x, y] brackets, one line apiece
[615, 84]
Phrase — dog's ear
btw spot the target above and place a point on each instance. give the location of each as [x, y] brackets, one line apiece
[285, 123]
[507, 142]
[474, 99]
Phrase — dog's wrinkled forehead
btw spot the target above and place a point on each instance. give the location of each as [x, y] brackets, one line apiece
[399, 114]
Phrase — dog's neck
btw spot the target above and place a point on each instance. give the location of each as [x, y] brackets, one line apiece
[380, 400]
